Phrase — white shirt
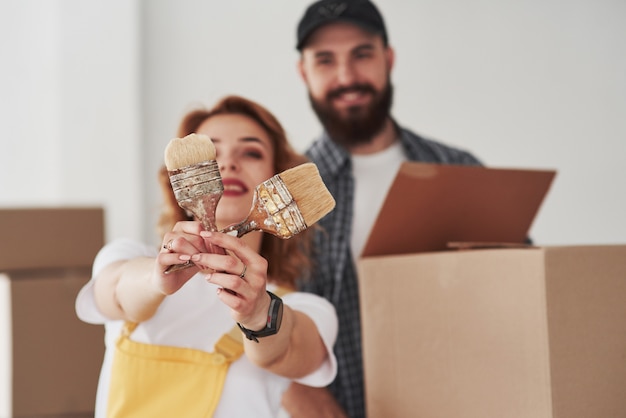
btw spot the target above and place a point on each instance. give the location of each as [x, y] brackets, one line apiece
[194, 317]
[373, 175]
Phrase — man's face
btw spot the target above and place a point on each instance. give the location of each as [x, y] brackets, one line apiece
[346, 70]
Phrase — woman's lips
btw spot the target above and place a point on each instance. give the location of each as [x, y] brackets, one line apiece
[234, 187]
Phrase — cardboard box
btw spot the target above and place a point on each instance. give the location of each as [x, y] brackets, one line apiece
[528, 333]
[49, 360]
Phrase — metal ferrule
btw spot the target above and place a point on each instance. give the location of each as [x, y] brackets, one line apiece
[196, 180]
[198, 189]
[279, 211]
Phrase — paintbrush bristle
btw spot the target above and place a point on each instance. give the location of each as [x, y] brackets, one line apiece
[190, 150]
[309, 192]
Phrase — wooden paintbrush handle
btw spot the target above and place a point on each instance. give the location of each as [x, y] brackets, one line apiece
[242, 228]
[177, 267]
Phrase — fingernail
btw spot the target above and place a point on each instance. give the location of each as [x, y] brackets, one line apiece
[195, 257]
[205, 234]
[184, 257]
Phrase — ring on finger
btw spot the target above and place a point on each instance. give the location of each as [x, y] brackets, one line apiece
[168, 246]
[243, 272]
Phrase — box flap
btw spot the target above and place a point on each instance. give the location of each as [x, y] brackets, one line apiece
[430, 205]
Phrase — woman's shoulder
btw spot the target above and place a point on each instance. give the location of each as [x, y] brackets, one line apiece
[311, 304]
[122, 249]
[125, 244]
[305, 297]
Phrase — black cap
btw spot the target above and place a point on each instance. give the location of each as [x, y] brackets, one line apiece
[360, 12]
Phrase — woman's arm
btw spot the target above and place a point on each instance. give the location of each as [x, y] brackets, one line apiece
[124, 290]
[297, 349]
[133, 289]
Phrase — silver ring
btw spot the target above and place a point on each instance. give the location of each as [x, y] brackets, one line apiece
[168, 246]
[243, 273]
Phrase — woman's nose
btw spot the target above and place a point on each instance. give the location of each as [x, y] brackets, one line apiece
[227, 164]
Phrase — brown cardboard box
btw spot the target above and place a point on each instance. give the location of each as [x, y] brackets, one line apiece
[49, 359]
[528, 333]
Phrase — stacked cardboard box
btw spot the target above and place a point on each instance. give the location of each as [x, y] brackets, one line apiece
[515, 333]
[49, 360]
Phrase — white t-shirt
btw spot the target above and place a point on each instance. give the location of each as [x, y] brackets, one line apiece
[373, 175]
[194, 317]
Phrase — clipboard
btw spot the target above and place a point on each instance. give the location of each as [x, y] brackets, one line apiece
[430, 206]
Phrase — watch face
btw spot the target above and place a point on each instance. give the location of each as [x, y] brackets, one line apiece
[274, 319]
[276, 314]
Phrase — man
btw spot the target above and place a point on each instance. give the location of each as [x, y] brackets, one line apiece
[346, 63]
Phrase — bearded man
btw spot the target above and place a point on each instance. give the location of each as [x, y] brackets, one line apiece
[346, 63]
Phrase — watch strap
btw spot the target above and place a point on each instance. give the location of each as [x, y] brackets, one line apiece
[274, 319]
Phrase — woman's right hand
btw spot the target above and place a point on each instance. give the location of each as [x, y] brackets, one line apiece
[177, 248]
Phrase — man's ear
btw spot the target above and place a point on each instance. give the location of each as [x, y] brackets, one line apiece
[391, 57]
[300, 67]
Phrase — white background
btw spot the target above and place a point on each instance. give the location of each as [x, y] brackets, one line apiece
[91, 91]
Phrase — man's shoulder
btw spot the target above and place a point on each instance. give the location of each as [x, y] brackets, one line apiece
[420, 148]
[328, 156]
[318, 147]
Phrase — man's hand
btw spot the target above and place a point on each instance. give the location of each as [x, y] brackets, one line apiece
[302, 401]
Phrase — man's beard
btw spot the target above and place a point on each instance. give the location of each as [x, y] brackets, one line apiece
[361, 124]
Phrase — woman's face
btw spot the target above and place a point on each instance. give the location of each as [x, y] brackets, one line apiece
[245, 156]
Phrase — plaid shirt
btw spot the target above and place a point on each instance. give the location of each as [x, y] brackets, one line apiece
[334, 276]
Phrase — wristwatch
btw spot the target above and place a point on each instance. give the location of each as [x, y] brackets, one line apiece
[274, 318]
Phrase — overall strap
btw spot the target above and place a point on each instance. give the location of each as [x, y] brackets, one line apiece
[128, 328]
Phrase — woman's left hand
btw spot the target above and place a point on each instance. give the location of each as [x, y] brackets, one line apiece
[241, 275]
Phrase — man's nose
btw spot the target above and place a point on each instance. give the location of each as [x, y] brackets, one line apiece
[346, 74]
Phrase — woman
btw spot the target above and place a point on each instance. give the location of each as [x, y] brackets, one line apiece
[192, 309]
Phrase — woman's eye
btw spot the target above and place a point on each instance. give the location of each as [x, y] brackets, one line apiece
[257, 155]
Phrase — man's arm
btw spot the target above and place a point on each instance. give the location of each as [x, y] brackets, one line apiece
[302, 401]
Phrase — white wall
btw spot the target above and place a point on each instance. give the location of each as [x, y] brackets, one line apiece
[525, 84]
[69, 109]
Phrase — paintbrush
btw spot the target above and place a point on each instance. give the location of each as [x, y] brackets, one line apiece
[287, 203]
[196, 180]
